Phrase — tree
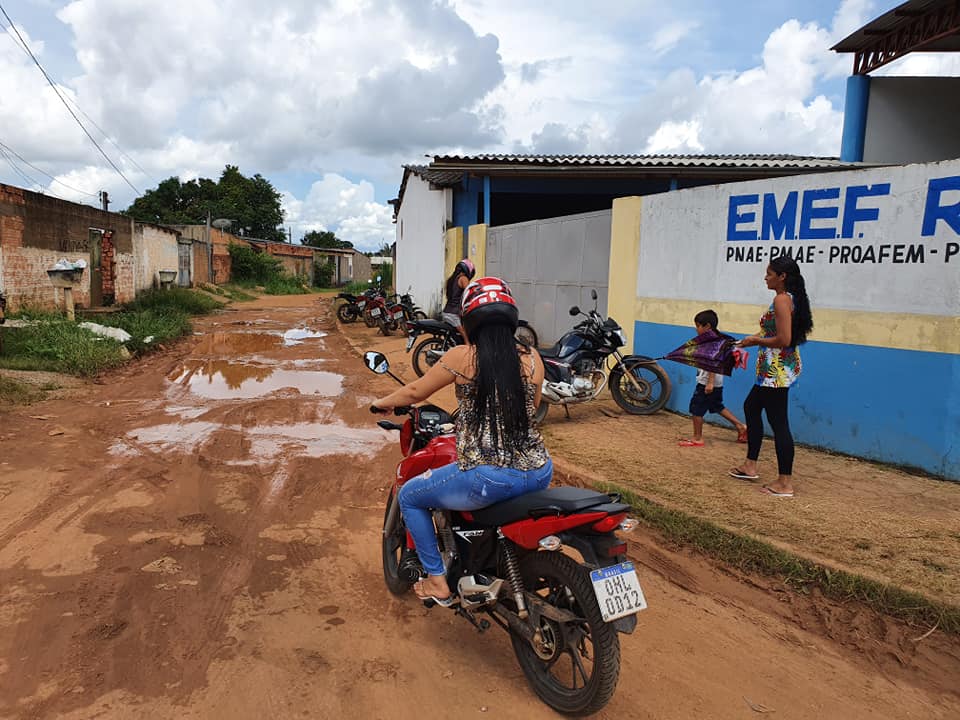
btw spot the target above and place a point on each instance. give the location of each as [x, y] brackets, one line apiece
[324, 239]
[252, 203]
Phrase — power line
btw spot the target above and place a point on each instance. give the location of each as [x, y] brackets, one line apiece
[65, 104]
[44, 172]
[27, 178]
[108, 138]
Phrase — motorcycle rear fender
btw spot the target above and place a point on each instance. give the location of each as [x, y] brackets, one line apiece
[592, 549]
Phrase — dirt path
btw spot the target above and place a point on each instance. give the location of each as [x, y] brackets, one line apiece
[198, 538]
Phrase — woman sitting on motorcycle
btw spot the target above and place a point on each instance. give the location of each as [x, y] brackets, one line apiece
[460, 277]
[500, 452]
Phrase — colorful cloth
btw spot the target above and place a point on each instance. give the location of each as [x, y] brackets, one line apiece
[776, 367]
[710, 351]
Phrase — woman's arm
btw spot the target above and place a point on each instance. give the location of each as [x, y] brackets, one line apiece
[783, 313]
[420, 389]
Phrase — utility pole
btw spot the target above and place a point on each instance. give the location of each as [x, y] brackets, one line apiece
[105, 200]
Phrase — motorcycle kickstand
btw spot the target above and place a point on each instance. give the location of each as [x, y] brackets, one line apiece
[481, 625]
[566, 409]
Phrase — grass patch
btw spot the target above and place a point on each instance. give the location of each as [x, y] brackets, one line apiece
[285, 285]
[355, 288]
[159, 326]
[755, 556]
[59, 346]
[177, 299]
[36, 313]
[230, 292]
[14, 392]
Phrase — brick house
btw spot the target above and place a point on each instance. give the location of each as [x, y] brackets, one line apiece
[37, 230]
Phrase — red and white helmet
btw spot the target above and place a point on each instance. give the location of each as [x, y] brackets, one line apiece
[488, 300]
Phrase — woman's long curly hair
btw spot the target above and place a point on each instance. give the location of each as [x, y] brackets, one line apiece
[802, 316]
[501, 399]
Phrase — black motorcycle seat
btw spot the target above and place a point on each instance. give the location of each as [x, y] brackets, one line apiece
[542, 503]
[550, 352]
[434, 326]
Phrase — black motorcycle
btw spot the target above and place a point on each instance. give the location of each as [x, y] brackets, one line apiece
[352, 307]
[576, 369]
[442, 336]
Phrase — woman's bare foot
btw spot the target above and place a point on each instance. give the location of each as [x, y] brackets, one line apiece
[432, 586]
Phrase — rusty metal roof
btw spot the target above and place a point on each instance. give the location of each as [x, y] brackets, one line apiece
[914, 26]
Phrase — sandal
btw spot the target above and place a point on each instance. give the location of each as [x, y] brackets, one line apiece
[690, 443]
[442, 602]
[741, 474]
[767, 490]
[742, 436]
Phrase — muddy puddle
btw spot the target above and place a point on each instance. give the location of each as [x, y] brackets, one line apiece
[241, 343]
[227, 380]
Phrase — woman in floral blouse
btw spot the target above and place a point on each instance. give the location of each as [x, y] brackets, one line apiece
[783, 328]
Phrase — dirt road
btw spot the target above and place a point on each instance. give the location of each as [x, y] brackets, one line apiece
[197, 537]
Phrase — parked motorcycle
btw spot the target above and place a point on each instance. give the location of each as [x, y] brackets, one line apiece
[506, 562]
[442, 336]
[575, 369]
[353, 305]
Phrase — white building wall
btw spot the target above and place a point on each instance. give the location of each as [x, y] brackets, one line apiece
[154, 249]
[421, 224]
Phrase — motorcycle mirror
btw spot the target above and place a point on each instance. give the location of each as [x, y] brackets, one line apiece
[574, 310]
[377, 362]
[593, 294]
[378, 278]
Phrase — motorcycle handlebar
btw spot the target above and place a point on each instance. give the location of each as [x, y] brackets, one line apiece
[399, 410]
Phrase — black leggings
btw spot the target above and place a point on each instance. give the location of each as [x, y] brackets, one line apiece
[774, 401]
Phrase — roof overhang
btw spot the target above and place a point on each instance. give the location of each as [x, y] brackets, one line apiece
[914, 26]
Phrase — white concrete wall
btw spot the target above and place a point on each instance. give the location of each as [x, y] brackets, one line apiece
[861, 236]
[154, 249]
[421, 224]
[912, 119]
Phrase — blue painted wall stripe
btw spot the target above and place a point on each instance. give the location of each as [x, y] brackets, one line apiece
[896, 406]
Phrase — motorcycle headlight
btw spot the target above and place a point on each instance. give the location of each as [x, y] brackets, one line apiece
[622, 335]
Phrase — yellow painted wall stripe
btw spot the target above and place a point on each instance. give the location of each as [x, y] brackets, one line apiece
[453, 249]
[477, 247]
[903, 331]
[624, 259]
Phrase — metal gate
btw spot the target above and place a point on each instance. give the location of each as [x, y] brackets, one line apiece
[551, 265]
[184, 251]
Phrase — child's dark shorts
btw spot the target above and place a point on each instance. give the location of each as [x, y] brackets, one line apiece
[702, 402]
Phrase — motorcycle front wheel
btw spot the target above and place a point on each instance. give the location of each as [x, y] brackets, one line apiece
[576, 666]
[422, 360]
[347, 313]
[649, 395]
[541, 411]
[392, 551]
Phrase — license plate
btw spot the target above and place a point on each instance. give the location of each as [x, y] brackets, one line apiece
[375, 312]
[410, 342]
[398, 315]
[618, 591]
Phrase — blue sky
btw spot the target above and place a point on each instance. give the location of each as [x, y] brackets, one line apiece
[329, 99]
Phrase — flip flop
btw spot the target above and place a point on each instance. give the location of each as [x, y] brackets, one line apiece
[767, 490]
[742, 436]
[739, 474]
[691, 443]
[442, 602]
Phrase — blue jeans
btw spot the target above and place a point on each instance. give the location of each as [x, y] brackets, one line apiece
[451, 488]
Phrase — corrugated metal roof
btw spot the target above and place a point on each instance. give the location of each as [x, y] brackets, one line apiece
[642, 161]
[439, 178]
[893, 20]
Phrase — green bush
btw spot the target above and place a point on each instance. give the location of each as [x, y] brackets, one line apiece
[386, 274]
[248, 265]
[323, 274]
[175, 299]
[356, 287]
[286, 285]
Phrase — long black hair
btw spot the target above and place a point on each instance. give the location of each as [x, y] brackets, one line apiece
[501, 400]
[802, 317]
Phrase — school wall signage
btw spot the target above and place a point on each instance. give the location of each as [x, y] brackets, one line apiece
[885, 239]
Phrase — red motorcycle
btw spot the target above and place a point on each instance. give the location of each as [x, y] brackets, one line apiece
[506, 562]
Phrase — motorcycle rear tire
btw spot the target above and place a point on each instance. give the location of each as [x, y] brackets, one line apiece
[391, 550]
[527, 335]
[420, 361]
[347, 313]
[419, 315]
[384, 327]
[624, 393]
[562, 575]
[369, 320]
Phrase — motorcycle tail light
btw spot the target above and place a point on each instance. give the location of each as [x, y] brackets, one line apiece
[619, 549]
[550, 542]
[609, 523]
[406, 437]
